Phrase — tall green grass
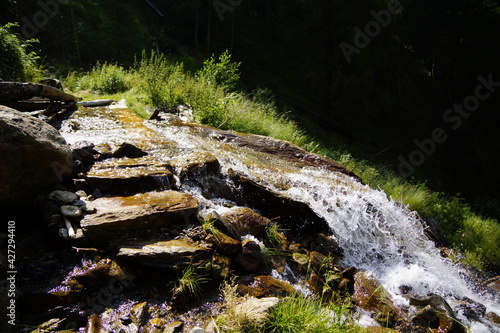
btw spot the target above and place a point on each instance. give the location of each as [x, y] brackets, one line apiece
[299, 314]
[156, 82]
[103, 79]
[210, 92]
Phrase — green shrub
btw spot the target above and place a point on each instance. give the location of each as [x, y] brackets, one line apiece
[224, 72]
[17, 64]
[105, 79]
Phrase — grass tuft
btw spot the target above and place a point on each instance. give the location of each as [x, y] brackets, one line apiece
[189, 282]
[298, 314]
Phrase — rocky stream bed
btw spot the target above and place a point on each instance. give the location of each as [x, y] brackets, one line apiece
[140, 203]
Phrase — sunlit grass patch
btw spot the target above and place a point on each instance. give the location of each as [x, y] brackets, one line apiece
[300, 314]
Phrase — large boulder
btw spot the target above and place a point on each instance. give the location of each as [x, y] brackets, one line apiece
[33, 157]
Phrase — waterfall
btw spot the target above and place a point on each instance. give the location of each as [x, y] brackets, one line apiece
[376, 233]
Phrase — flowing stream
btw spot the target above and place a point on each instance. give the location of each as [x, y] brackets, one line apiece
[376, 233]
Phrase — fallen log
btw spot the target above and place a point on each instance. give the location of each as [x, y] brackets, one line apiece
[97, 102]
[16, 91]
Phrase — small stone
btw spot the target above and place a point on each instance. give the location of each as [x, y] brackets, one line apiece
[63, 197]
[79, 235]
[71, 211]
[197, 330]
[128, 150]
[174, 327]
[55, 219]
[79, 203]
[157, 322]
[250, 257]
[81, 194]
[97, 193]
[139, 313]
[103, 149]
[240, 221]
[79, 184]
[63, 233]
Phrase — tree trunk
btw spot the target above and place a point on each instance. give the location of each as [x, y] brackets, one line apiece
[15, 91]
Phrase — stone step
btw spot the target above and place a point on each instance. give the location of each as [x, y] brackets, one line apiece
[118, 216]
[129, 175]
[165, 254]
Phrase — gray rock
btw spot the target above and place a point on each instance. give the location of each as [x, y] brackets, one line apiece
[197, 330]
[71, 211]
[34, 157]
[79, 203]
[81, 194]
[63, 197]
[3, 263]
[255, 309]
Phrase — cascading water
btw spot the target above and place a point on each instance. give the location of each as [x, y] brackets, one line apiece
[377, 234]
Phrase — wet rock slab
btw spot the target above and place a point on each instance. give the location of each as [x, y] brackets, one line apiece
[129, 175]
[240, 221]
[165, 254]
[117, 215]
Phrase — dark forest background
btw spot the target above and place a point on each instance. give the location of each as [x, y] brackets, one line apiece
[395, 91]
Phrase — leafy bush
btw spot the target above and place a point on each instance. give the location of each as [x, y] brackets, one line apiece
[223, 72]
[17, 64]
[106, 79]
